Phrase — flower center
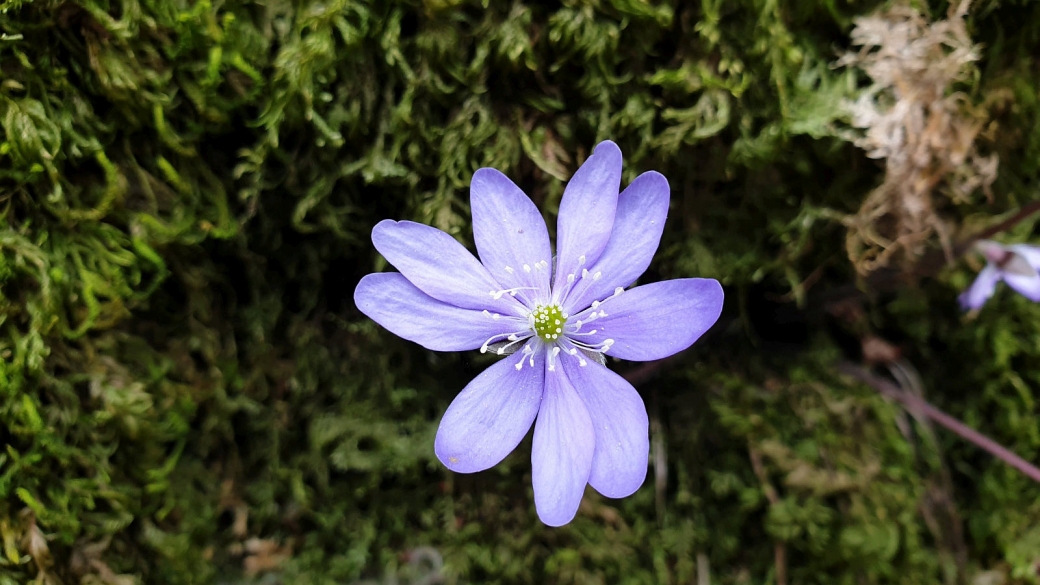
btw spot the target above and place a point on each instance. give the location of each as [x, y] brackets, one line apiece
[548, 321]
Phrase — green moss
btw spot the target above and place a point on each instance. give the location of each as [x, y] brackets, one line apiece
[188, 394]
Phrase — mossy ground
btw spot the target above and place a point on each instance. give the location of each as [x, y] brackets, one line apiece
[188, 395]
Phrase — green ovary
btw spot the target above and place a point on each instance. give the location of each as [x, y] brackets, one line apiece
[548, 322]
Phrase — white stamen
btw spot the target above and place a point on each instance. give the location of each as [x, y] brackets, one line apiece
[527, 351]
[581, 260]
[490, 340]
[552, 358]
[513, 339]
[584, 272]
[497, 294]
[618, 291]
[527, 267]
[570, 278]
[601, 347]
[597, 275]
[509, 269]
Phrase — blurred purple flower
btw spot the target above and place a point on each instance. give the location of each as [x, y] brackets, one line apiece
[555, 320]
[1016, 264]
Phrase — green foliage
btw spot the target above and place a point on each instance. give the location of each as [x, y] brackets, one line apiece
[188, 395]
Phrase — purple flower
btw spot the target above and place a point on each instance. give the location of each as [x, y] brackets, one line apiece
[1016, 265]
[554, 319]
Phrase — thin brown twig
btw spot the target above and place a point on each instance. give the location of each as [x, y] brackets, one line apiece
[1024, 212]
[921, 406]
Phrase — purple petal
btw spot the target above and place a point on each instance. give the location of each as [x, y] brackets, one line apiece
[656, 320]
[619, 419]
[641, 212]
[1030, 253]
[489, 418]
[388, 298]
[440, 266]
[982, 289]
[994, 252]
[561, 456]
[587, 213]
[1027, 286]
[511, 237]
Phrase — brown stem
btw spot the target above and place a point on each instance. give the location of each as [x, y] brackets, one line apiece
[919, 405]
[1024, 212]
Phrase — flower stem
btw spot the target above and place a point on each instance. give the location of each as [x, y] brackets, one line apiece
[919, 405]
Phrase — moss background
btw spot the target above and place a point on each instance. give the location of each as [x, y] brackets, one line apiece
[188, 395]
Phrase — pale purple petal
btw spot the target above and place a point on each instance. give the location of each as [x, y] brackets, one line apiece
[982, 289]
[656, 320]
[388, 298]
[1016, 264]
[587, 213]
[994, 252]
[1030, 253]
[1027, 286]
[440, 266]
[620, 423]
[641, 212]
[561, 456]
[510, 233]
[489, 418]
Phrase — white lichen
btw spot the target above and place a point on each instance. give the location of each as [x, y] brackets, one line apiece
[925, 131]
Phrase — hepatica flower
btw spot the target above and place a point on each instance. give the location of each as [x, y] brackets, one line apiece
[1016, 264]
[553, 317]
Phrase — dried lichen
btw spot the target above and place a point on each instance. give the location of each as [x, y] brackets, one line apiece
[913, 117]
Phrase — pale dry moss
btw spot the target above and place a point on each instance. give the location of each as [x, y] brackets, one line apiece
[926, 132]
